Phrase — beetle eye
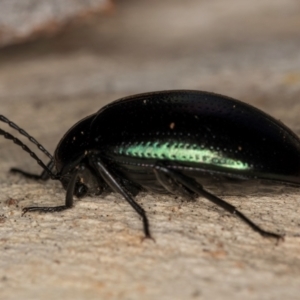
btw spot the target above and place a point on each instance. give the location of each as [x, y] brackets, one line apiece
[81, 190]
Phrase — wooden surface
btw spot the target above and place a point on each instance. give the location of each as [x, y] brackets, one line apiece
[247, 50]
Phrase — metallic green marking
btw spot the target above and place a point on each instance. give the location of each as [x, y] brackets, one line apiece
[182, 152]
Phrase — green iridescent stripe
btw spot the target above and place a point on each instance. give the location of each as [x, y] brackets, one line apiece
[181, 152]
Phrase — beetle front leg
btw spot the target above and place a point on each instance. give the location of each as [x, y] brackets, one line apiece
[43, 176]
[69, 198]
[115, 185]
[188, 184]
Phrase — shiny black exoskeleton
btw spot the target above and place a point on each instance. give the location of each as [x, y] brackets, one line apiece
[188, 143]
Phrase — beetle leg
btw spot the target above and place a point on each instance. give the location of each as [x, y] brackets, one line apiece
[115, 185]
[173, 186]
[69, 197]
[43, 176]
[193, 186]
[132, 188]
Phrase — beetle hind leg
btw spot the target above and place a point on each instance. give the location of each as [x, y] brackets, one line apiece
[173, 186]
[174, 181]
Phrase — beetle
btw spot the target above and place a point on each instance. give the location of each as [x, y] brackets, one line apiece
[184, 142]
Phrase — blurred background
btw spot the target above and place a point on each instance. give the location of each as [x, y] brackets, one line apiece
[63, 60]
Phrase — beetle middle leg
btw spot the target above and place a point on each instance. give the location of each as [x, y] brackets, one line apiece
[115, 185]
[170, 179]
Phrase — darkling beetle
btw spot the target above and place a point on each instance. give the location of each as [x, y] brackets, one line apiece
[187, 143]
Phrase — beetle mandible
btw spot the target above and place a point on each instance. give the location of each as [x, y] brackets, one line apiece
[183, 142]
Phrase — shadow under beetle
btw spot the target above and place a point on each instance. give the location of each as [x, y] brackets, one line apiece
[187, 143]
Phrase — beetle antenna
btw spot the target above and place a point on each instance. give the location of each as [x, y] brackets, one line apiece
[23, 132]
[31, 153]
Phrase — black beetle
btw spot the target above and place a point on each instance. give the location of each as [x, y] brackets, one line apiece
[188, 143]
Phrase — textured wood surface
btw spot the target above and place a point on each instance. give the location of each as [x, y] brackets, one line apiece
[247, 50]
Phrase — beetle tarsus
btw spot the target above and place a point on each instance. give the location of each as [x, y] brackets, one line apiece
[44, 209]
[30, 175]
[43, 176]
[256, 228]
[278, 237]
